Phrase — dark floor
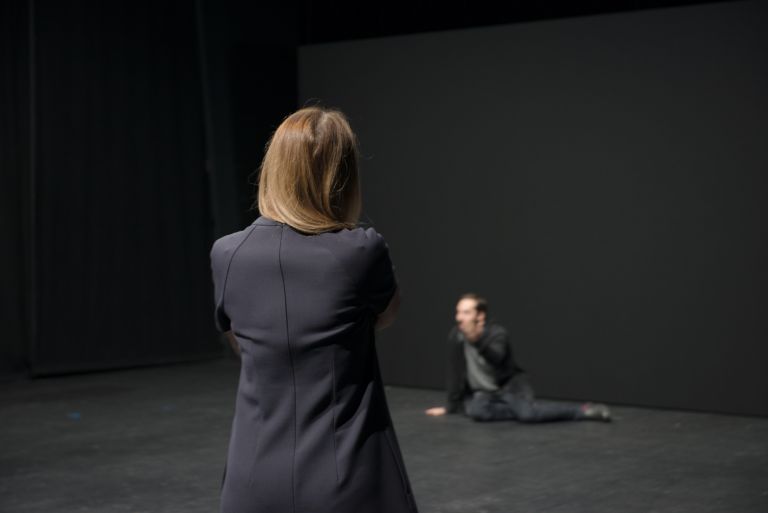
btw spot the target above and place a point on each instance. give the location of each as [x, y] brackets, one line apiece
[153, 440]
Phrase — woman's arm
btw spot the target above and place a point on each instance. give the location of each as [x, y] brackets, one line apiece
[387, 317]
[232, 342]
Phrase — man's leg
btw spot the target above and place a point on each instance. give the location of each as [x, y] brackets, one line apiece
[484, 406]
[516, 401]
[527, 410]
[519, 396]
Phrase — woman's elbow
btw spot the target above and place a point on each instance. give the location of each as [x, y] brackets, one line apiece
[387, 317]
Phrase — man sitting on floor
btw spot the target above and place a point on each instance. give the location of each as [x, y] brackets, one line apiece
[485, 383]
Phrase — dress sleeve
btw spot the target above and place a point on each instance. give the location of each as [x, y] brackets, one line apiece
[219, 269]
[379, 283]
[221, 319]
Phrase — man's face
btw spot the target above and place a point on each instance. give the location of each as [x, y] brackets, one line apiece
[468, 319]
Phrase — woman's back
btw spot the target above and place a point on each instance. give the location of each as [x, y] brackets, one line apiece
[312, 430]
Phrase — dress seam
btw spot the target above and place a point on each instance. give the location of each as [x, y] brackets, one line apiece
[293, 370]
[333, 411]
[229, 265]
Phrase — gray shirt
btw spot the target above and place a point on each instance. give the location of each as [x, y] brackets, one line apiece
[480, 374]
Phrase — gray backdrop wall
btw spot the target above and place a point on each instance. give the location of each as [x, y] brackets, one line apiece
[601, 180]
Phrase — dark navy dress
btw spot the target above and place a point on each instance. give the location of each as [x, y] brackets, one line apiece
[312, 431]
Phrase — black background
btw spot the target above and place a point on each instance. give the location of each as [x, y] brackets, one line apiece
[129, 132]
[606, 192]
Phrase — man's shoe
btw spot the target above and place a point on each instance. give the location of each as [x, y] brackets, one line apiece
[593, 411]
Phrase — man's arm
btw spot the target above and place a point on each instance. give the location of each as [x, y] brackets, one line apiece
[455, 378]
[495, 347]
[456, 375]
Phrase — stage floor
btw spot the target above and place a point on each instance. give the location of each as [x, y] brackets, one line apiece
[154, 440]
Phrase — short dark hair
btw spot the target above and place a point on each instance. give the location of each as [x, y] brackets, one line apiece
[481, 304]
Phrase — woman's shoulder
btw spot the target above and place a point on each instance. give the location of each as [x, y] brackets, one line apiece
[358, 240]
[228, 243]
[356, 249]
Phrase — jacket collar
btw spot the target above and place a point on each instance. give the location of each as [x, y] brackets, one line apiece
[266, 221]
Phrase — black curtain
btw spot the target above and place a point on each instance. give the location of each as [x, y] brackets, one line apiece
[123, 225]
[14, 163]
[250, 84]
[127, 129]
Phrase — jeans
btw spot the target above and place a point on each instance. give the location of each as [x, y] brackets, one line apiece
[516, 401]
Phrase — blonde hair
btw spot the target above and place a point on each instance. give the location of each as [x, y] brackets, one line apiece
[309, 177]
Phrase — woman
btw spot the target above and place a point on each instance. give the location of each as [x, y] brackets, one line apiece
[301, 292]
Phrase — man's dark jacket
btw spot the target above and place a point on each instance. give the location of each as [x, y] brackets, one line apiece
[494, 346]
